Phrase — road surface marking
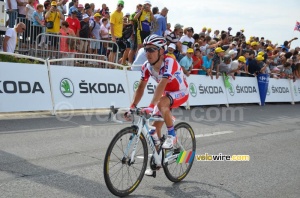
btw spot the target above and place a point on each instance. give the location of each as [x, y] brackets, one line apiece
[213, 134]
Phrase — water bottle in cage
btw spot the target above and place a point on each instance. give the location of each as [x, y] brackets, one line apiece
[155, 137]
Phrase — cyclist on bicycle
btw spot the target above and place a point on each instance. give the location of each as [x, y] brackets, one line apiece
[171, 91]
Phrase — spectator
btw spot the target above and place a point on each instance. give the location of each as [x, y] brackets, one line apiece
[104, 35]
[297, 71]
[208, 32]
[133, 39]
[12, 11]
[103, 10]
[80, 12]
[145, 18]
[174, 36]
[116, 22]
[226, 66]
[286, 71]
[161, 22]
[67, 45]
[171, 49]
[254, 47]
[287, 44]
[186, 62]
[74, 7]
[203, 32]
[95, 33]
[197, 61]
[22, 8]
[84, 34]
[38, 22]
[216, 34]
[54, 16]
[29, 10]
[124, 43]
[74, 23]
[232, 54]
[185, 42]
[92, 9]
[217, 60]
[206, 66]
[10, 39]
[257, 66]
[61, 5]
[71, 4]
[239, 65]
[168, 30]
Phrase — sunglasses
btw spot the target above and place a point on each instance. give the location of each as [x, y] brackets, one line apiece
[151, 49]
[180, 32]
[120, 5]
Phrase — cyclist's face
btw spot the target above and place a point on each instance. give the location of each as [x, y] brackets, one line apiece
[152, 53]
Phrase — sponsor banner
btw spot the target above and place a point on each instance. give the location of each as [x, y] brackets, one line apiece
[296, 90]
[24, 87]
[133, 80]
[88, 88]
[242, 90]
[205, 91]
[279, 90]
[263, 83]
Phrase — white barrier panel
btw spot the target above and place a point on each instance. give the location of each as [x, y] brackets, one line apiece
[296, 90]
[133, 80]
[205, 91]
[243, 90]
[24, 87]
[88, 88]
[279, 90]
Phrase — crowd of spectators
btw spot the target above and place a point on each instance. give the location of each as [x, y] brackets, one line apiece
[208, 52]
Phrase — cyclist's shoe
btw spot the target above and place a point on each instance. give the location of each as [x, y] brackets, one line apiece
[149, 172]
[169, 142]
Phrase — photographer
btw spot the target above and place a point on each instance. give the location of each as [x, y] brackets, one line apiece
[53, 17]
[144, 18]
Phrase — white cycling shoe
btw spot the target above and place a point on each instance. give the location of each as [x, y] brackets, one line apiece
[149, 172]
[169, 142]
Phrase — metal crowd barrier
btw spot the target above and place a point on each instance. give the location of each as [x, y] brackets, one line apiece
[35, 42]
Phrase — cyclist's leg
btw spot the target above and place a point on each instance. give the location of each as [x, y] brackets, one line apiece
[171, 100]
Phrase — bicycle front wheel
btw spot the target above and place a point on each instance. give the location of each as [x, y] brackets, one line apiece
[182, 155]
[122, 176]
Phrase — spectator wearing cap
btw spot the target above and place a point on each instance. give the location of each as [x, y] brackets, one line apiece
[74, 23]
[55, 16]
[257, 65]
[239, 65]
[203, 32]
[225, 66]
[133, 39]
[217, 60]
[185, 42]
[197, 61]
[80, 12]
[174, 36]
[254, 47]
[116, 26]
[208, 32]
[168, 30]
[231, 46]
[161, 22]
[206, 46]
[95, 33]
[170, 50]
[88, 10]
[232, 54]
[84, 34]
[186, 62]
[145, 18]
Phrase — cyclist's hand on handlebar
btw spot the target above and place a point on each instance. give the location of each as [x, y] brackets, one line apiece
[127, 114]
[147, 110]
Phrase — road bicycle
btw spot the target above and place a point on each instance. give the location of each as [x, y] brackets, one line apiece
[127, 155]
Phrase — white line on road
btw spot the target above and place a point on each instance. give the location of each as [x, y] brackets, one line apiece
[213, 134]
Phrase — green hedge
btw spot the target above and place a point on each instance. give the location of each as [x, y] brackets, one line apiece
[12, 59]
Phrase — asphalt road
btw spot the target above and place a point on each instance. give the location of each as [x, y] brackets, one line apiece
[56, 157]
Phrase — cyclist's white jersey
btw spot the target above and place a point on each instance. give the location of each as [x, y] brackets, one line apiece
[171, 70]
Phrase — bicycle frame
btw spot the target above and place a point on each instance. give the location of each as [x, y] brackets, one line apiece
[144, 126]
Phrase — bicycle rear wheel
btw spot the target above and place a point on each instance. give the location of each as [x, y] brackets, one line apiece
[183, 153]
[121, 175]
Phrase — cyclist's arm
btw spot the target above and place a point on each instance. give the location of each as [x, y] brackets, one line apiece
[139, 93]
[159, 90]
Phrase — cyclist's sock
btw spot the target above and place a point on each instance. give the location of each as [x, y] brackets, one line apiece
[171, 131]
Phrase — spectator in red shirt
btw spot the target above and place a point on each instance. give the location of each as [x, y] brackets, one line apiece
[74, 23]
[197, 61]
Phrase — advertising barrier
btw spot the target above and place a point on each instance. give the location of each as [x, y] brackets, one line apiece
[279, 90]
[242, 90]
[88, 88]
[205, 91]
[24, 87]
[296, 90]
